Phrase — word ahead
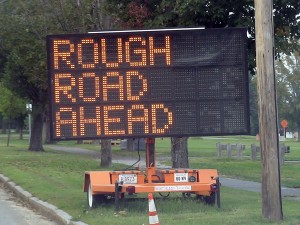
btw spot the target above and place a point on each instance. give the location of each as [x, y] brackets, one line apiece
[148, 83]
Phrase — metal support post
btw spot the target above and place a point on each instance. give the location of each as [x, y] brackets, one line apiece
[218, 192]
[117, 196]
[150, 158]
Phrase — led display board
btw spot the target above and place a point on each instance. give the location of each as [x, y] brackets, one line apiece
[148, 83]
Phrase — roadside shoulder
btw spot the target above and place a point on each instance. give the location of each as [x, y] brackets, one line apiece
[44, 208]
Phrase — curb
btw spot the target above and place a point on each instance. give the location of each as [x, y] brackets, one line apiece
[44, 208]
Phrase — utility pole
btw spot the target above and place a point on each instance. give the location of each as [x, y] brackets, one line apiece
[268, 121]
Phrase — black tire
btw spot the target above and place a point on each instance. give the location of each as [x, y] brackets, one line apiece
[186, 194]
[164, 194]
[208, 200]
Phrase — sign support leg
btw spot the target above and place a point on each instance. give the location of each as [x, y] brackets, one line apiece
[218, 192]
[150, 158]
[117, 196]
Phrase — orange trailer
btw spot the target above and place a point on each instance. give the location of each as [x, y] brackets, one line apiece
[204, 183]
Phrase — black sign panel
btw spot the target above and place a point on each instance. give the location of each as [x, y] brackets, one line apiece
[149, 83]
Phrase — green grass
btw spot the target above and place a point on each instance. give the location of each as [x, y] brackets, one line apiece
[57, 177]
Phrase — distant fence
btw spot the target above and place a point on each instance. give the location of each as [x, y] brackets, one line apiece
[231, 149]
[112, 141]
[255, 150]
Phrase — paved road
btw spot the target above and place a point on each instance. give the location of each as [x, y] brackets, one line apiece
[13, 212]
[293, 193]
[226, 182]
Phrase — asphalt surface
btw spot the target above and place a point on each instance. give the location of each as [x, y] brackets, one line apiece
[14, 212]
[293, 193]
[28, 205]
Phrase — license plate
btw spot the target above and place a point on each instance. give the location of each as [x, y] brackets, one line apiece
[128, 178]
[181, 177]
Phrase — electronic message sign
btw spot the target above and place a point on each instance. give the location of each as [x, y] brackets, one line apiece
[148, 83]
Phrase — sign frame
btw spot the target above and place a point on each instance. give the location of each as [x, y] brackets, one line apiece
[243, 67]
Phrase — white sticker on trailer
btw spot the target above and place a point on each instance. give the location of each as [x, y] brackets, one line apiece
[128, 178]
[181, 177]
[173, 188]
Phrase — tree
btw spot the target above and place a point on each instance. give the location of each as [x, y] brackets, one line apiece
[25, 67]
[210, 14]
[24, 26]
[102, 21]
[130, 144]
[179, 152]
[288, 80]
[253, 106]
[12, 108]
[106, 154]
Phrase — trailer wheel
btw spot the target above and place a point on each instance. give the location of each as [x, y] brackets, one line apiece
[90, 197]
[208, 200]
[93, 200]
[186, 194]
[162, 194]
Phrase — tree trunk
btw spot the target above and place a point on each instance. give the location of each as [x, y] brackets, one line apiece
[104, 20]
[130, 144]
[21, 134]
[47, 137]
[44, 133]
[20, 124]
[179, 151]
[8, 135]
[4, 126]
[106, 155]
[36, 143]
[298, 138]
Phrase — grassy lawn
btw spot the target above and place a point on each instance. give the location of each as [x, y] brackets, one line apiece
[203, 154]
[57, 177]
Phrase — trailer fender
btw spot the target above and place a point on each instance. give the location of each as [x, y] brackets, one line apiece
[207, 175]
[96, 178]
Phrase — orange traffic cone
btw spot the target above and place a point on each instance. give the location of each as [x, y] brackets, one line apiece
[153, 218]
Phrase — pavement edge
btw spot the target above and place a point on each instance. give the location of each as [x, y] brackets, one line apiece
[44, 208]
